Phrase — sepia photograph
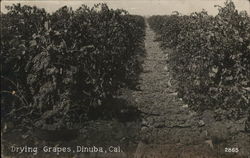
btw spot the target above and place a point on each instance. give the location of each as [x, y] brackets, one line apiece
[125, 78]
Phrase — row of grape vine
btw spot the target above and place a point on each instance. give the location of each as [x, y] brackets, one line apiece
[210, 61]
[56, 66]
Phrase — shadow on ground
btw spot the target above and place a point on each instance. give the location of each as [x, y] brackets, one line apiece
[113, 128]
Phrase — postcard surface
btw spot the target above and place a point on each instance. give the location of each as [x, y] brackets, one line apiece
[125, 79]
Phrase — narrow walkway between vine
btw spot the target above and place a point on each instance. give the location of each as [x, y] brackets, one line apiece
[169, 128]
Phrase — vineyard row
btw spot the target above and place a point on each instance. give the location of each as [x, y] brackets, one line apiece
[210, 61]
[56, 66]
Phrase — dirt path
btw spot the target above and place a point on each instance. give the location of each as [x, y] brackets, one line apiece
[170, 129]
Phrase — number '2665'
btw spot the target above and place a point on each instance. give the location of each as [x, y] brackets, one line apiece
[232, 150]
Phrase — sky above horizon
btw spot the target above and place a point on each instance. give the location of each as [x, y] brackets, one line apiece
[140, 7]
